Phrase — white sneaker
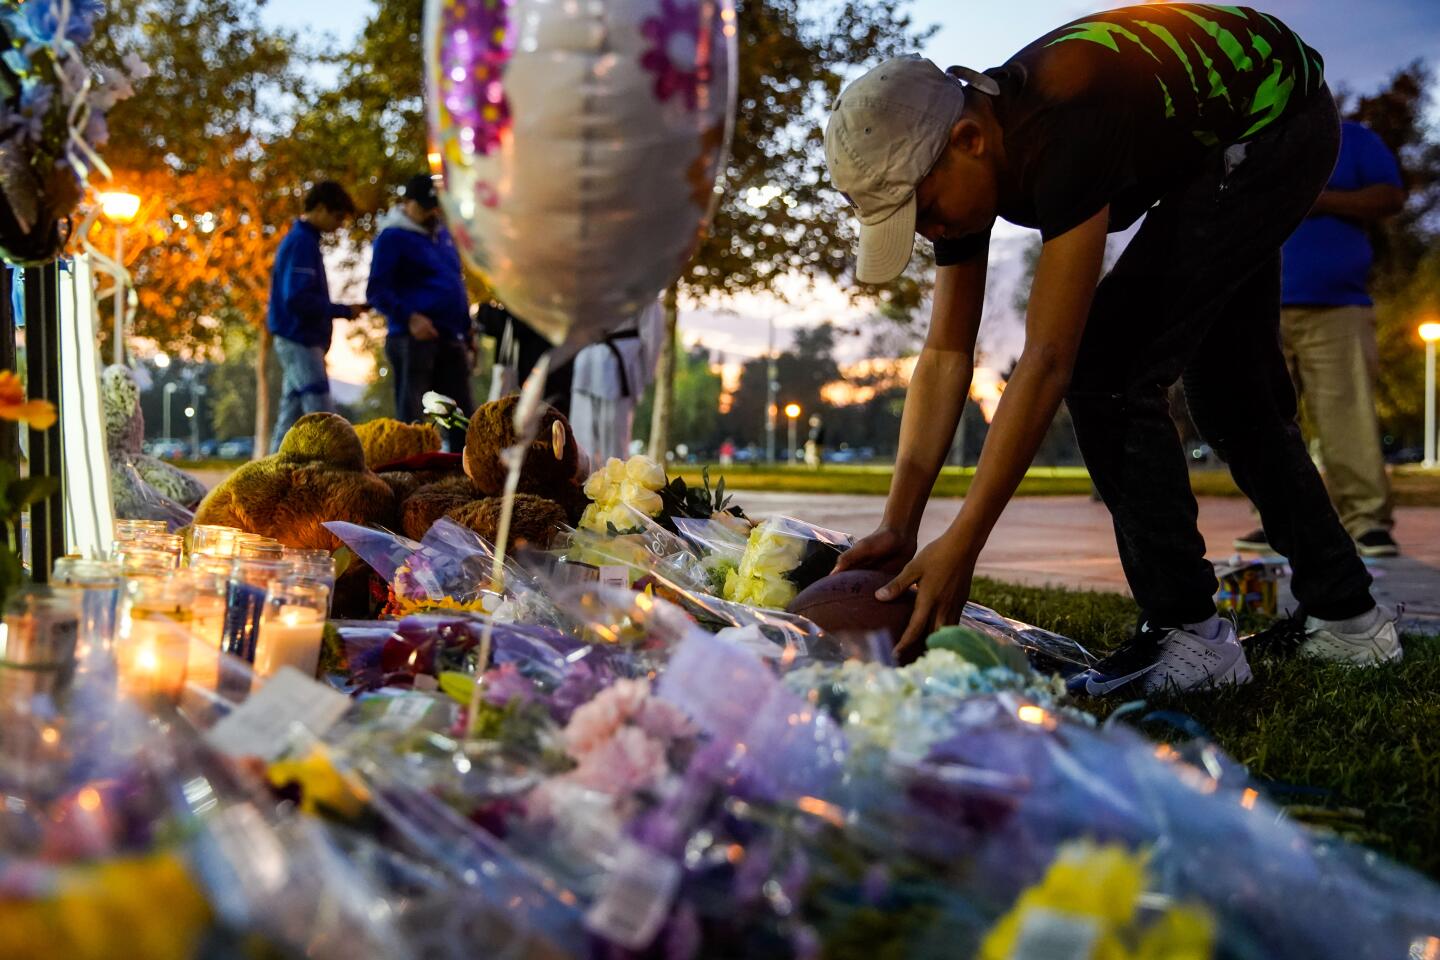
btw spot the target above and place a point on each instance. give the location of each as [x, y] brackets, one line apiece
[1159, 659]
[1371, 642]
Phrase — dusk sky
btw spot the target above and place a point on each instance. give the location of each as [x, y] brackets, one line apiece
[1363, 42]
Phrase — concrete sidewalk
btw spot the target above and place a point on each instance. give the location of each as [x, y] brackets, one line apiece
[1069, 542]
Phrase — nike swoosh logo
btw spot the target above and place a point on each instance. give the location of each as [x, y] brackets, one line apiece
[1098, 688]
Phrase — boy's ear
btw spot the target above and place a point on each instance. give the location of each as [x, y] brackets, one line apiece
[968, 136]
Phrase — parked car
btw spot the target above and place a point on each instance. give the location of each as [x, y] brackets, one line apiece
[166, 448]
[240, 448]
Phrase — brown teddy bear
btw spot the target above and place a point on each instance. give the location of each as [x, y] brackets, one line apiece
[318, 475]
[550, 489]
[387, 441]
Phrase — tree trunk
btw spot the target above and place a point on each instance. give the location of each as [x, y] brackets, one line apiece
[264, 419]
[665, 378]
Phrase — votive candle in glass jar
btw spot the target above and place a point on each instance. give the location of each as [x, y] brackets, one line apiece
[292, 626]
[154, 645]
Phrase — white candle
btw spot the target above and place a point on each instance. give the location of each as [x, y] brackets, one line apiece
[152, 658]
[289, 636]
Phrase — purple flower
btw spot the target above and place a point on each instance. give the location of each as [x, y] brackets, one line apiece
[507, 684]
[38, 21]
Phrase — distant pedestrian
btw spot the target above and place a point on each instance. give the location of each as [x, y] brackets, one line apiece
[417, 282]
[727, 452]
[1328, 327]
[302, 315]
[609, 378]
[815, 443]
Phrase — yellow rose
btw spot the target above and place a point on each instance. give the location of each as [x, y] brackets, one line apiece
[596, 484]
[646, 472]
[614, 471]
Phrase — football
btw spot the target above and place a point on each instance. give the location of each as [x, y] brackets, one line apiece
[846, 601]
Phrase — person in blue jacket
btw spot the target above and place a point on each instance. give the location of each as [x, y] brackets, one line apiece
[302, 315]
[417, 282]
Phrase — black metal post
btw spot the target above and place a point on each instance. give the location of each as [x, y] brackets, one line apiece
[42, 363]
[9, 360]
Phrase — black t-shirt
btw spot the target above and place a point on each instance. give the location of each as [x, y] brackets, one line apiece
[1124, 106]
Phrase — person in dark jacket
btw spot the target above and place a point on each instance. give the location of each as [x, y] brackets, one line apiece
[417, 282]
[302, 315]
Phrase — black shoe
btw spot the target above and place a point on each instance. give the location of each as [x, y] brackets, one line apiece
[1253, 542]
[1377, 543]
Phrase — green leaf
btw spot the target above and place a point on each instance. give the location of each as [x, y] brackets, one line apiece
[32, 490]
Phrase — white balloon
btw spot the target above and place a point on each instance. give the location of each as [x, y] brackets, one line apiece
[580, 141]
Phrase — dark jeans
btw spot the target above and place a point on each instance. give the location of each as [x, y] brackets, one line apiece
[423, 365]
[1197, 295]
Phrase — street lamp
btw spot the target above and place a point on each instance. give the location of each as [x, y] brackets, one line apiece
[792, 411]
[119, 208]
[169, 391]
[1430, 333]
[191, 412]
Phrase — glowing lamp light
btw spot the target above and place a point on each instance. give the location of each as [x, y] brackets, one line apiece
[119, 207]
[792, 410]
[1430, 331]
[1033, 714]
[162, 360]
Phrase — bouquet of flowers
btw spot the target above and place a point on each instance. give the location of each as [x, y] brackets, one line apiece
[52, 119]
[782, 557]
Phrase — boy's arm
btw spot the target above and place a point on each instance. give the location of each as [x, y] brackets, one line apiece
[383, 292]
[303, 286]
[1065, 281]
[933, 405]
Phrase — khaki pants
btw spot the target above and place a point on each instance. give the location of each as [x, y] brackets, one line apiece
[1334, 361]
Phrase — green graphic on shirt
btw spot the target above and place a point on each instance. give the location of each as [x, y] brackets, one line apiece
[1169, 40]
[1214, 58]
[1217, 83]
[1271, 96]
[1231, 47]
[1169, 101]
[1103, 32]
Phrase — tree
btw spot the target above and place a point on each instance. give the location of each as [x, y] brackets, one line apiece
[695, 412]
[202, 143]
[778, 215]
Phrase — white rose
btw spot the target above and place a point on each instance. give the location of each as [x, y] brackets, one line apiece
[436, 404]
[646, 472]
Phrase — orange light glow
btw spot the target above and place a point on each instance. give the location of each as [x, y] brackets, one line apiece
[89, 800]
[119, 207]
[1033, 714]
[1248, 798]
[1430, 331]
[792, 410]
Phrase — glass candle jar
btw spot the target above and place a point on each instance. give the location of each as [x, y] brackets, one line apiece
[250, 580]
[250, 546]
[126, 530]
[211, 578]
[154, 645]
[98, 584]
[37, 648]
[212, 540]
[292, 626]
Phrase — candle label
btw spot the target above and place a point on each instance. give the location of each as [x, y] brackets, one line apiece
[244, 604]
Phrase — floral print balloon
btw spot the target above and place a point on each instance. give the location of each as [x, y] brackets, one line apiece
[579, 143]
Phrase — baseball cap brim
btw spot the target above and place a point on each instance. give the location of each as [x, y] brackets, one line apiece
[885, 247]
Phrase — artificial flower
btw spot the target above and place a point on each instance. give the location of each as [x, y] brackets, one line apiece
[37, 414]
[1090, 895]
[322, 787]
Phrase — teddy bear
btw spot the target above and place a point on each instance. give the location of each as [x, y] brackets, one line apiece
[142, 487]
[549, 494]
[318, 475]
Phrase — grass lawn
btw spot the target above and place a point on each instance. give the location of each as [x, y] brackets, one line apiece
[1414, 486]
[1366, 739]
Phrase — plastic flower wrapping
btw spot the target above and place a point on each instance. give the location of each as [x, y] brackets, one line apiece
[579, 770]
[782, 557]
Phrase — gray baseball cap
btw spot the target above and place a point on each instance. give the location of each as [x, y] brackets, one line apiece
[886, 132]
